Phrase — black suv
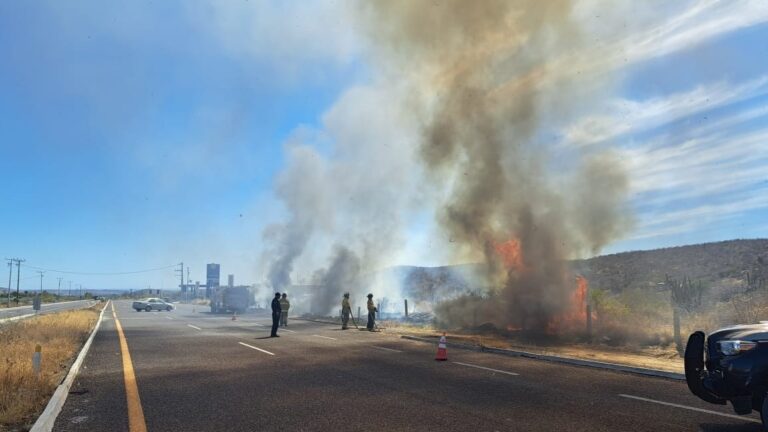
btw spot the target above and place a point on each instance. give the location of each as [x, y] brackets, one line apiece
[731, 366]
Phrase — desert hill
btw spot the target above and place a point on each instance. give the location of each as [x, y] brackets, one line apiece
[711, 263]
[725, 263]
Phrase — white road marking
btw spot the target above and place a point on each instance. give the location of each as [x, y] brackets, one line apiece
[485, 368]
[194, 327]
[257, 349]
[385, 349]
[325, 337]
[733, 416]
[289, 331]
[170, 318]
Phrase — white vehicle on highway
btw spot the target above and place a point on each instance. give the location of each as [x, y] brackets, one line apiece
[151, 304]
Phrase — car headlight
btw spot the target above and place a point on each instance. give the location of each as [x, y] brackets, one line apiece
[733, 347]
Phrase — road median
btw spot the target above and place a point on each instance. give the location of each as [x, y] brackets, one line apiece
[557, 359]
[61, 336]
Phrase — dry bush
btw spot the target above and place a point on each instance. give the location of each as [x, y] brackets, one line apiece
[637, 317]
[22, 393]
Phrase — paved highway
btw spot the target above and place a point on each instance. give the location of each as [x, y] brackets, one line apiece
[200, 372]
[6, 313]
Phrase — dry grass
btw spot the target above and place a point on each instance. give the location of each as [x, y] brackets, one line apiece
[23, 394]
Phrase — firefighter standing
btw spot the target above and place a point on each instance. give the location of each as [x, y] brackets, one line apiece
[275, 314]
[346, 310]
[284, 306]
[371, 313]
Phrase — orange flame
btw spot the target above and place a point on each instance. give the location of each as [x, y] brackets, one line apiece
[576, 316]
[511, 254]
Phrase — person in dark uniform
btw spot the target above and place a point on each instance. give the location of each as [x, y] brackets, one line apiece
[276, 311]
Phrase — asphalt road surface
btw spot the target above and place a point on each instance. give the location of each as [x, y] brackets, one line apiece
[6, 313]
[202, 372]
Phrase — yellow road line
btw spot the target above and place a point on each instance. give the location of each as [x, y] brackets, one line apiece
[136, 421]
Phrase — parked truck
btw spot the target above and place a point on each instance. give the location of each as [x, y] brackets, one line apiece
[231, 299]
[731, 365]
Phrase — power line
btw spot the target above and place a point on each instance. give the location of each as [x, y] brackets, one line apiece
[100, 273]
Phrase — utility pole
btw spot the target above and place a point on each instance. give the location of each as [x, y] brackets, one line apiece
[10, 273]
[181, 277]
[69, 292]
[58, 290]
[41, 281]
[18, 276]
[80, 293]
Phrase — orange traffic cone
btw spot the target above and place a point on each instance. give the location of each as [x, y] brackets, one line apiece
[234, 316]
[442, 351]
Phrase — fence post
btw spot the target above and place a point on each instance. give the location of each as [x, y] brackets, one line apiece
[406, 309]
[36, 360]
[676, 330]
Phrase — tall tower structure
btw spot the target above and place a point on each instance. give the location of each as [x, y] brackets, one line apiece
[212, 273]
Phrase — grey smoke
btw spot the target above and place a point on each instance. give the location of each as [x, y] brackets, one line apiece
[299, 187]
[466, 95]
[342, 275]
[488, 90]
[345, 191]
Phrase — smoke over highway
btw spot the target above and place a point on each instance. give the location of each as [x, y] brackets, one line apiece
[468, 96]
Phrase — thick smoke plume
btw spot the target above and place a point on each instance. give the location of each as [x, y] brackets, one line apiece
[489, 86]
[345, 191]
[462, 117]
[341, 276]
[307, 205]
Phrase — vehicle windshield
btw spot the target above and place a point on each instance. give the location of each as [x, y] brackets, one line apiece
[581, 181]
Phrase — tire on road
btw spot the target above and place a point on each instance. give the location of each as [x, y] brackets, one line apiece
[168, 309]
[138, 310]
[148, 308]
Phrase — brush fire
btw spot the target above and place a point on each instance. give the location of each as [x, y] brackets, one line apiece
[459, 138]
[515, 304]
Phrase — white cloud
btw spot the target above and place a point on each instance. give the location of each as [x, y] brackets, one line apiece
[702, 21]
[625, 116]
[696, 217]
[683, 187]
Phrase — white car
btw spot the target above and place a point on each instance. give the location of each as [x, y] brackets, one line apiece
[151, 304]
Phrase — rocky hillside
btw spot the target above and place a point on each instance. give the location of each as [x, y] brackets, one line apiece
[726, 264]
[742, 261]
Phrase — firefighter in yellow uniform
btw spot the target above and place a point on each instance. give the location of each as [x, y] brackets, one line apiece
[371, 313]
[346, 311]
[284, 306]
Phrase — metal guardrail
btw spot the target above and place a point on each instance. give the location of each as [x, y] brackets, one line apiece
[24, 312]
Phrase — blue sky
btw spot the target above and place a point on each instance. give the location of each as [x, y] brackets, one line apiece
[140, 134]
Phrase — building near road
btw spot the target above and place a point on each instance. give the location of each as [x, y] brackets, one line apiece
[231, 281]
